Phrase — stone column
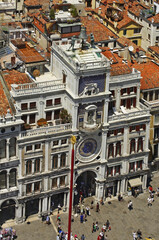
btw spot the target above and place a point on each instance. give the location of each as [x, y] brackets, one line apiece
[138, 95]
[46, 156]
[49, 204]
[41, 110]
[33, 163]
[39, 213]
[118, 99]
[105, 112]
[136, 143]
[59, 159]
[24, 211]
[7, 149]
[8, 174]
[20, 161]
[118, 187]
[18, 213]
[104, 144]
[74, 117]
[147, 136]
[123, 186]
[44, 205]
[144, 183]
[64, 201]
[114, 146]
[126, 141]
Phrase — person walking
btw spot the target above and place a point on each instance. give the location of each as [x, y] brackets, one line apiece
[107, 224]
[97, 207]
[93, 228]
[134, 235]
[139, 234]
[130, 205]
[82, 237]
[149, 202]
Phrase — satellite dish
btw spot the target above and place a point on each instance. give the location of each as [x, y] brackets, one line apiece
[131, 49]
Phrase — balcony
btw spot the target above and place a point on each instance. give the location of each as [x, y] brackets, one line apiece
[129, 113]
[48, 130]
[36, 88]
[152, 105]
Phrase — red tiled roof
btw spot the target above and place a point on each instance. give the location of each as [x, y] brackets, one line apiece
[28, 54]
[69, 35]
[100, 32]
[125, 21]
[33, 3]
[123, 41]
[150, 74]
[4, 104]
[154, 19]
[15, 77]
[136, 10]
[154, 49]
[117, 66]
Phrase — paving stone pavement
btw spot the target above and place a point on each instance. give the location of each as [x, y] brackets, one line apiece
[123, 222]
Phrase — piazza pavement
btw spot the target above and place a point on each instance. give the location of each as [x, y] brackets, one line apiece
[123, 222]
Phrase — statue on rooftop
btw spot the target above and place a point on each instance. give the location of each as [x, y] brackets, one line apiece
[73, 39]
[92, 40]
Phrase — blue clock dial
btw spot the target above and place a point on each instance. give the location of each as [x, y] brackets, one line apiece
[88, 147]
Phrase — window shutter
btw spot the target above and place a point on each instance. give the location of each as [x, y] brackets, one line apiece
[135, 89]
[128, 90]
[130, 146]
[137, 128]
[134, 102]
[133, 166]
[122, 130]
[109, 151]
[140, 164]
[128, 103]
[130, 129]
[119, 148]
[144, 127]
[111, 171]
[121, 91]
[115, 132]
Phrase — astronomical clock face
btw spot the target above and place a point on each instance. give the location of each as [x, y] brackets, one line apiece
[88, 147]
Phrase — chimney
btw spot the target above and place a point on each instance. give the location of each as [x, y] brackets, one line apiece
[99, 11]
[13, 60]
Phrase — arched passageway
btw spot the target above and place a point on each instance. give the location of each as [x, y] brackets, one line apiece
[7, 211]
[85, 185]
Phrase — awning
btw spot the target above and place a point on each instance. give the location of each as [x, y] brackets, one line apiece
[135, 182]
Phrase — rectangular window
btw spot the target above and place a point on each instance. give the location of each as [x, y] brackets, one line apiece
[135, 42]
[48, 102]
[56, 143]
[32, 118]
[63, 141]
[29, 167]
[131, 167]
[28, 188]
[24, 118]
[137, 30]
[117, 169]
[36, 186]
[156, 94]
[124, 32]
[145, 95]
[110, 171]
[156, 133]
[28, 148]
[156, 150]
[37, 146]
[62, 181]
[54, 183]
[49, 116]
[56, 114]
[139, 165]
[151, 96]
[24, 106]
[3, 149]
[37, 165]
[64, 78]
[32, 105]
[57, 101]
[123, 91]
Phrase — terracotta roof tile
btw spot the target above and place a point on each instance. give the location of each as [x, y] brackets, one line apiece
[4, 104]
[123, 41]
[117, 66]
[15, 77]
[154, 19]
[154, 49]
[150, 74]
[28, 54]
[100, 32]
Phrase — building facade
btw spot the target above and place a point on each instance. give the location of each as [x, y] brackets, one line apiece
[101, 108]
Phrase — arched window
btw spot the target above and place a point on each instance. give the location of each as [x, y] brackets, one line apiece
[29, 167]
[12, 147]
[118, 149]
[140, 144]
[55, 161]
[12, 178]
[132, 145]
[37, 165]
[3, 148]
[3, 180]
[63, 160]
[111, 150]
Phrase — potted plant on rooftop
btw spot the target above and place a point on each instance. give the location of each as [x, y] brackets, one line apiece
[65, 116]
[42, 122]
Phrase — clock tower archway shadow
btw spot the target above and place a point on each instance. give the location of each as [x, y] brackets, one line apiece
[85, 185]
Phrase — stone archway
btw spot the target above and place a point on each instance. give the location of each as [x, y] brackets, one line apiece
[7, 211]
[85, 185]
